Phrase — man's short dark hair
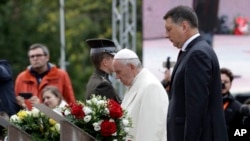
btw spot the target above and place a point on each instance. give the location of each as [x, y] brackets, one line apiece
[227, 72]
[182, 13]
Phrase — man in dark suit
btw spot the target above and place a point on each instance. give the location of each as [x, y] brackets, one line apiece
[195, 108]
[102, 52]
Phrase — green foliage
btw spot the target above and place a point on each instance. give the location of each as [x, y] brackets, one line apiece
[25, 22]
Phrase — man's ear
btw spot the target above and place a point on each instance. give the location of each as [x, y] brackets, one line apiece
[47, 58]
[104, 61]
[132, 67]
[185, 26]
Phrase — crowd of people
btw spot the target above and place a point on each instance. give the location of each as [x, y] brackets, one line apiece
[192, 103]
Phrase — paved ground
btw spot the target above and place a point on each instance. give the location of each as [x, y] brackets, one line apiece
[233, 52]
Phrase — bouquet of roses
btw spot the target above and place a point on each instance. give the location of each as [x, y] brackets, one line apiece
[102, 118]
[37, 124]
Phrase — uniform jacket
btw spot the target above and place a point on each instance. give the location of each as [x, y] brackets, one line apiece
[7, 95]
[195, 108]
[146, 102]
[99, 84]
[26, 82]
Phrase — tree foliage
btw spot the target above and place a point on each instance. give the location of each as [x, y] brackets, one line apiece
[25, 22]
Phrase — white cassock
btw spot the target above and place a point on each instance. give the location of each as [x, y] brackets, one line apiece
[147, 104]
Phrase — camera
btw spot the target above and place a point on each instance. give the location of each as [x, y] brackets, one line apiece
[223, 85]
[165, 83]
[245, 109]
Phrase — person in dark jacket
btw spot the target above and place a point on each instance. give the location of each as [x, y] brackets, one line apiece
[245, 110]
[102, 52]
[230, 105]
[7, 94]
[195, 110]
[8, 105]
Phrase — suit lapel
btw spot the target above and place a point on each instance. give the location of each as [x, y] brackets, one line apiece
[199, 38]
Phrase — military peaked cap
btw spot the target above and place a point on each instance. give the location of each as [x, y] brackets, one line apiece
[98, 46]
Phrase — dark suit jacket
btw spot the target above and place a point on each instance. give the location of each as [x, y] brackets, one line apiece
[99, 84]
[195, 107]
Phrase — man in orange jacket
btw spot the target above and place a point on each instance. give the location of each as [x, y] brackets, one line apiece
[40, 73]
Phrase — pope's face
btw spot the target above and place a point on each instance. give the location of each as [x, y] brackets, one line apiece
[123, 72]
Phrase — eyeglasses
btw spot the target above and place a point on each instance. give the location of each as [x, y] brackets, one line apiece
[36, 55]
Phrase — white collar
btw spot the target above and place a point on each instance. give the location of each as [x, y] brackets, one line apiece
[188, 41]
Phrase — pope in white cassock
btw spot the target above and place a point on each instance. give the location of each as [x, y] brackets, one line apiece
[145, 99]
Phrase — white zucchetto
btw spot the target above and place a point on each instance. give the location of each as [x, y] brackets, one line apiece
[125, 54]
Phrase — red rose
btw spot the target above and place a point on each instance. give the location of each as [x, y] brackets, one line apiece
[77, 110]
[115, 110]
[108, 128]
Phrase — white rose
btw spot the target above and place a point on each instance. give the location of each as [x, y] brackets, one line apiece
[125, 122]
[97, 128]
[94, 100]
[106, 110]
[114, 134]
[95, 124]
[100, 102]
[88, 101]
[35, 112]
[67, 112]
[57, 126]
[87, 118]
[87, 110]
[126, 129]
[14, 118]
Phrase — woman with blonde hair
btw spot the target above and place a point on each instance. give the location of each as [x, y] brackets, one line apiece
[52, 98]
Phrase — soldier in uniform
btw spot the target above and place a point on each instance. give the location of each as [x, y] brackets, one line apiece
[102, 52]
